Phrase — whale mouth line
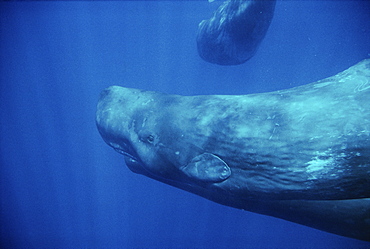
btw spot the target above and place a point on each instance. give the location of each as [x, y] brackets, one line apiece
[126, 154]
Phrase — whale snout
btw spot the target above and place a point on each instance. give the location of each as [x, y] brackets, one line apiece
[116, 118]
[115, 108]
[113, 117]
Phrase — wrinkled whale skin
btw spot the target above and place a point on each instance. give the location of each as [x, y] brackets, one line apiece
[301, 154]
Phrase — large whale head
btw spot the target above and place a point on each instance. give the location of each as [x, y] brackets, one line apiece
[139, 125]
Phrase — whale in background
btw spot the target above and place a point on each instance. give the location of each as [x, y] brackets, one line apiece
[300, 154]
[234, 32]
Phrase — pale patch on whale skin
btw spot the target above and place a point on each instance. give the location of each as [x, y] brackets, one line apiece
[301, 154]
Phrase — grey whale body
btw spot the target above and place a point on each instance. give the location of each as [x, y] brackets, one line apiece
[300, 154]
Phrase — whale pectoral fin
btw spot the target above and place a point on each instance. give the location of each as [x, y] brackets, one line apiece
[208, 168]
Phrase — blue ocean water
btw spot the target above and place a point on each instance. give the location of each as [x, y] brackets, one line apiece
[63, 187]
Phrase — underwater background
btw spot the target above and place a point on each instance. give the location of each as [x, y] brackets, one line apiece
[63, 187]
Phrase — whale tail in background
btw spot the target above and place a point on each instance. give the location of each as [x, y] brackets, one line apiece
[232, 35]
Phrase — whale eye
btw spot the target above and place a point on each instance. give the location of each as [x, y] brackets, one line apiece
[147, 137]
[150, 139]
